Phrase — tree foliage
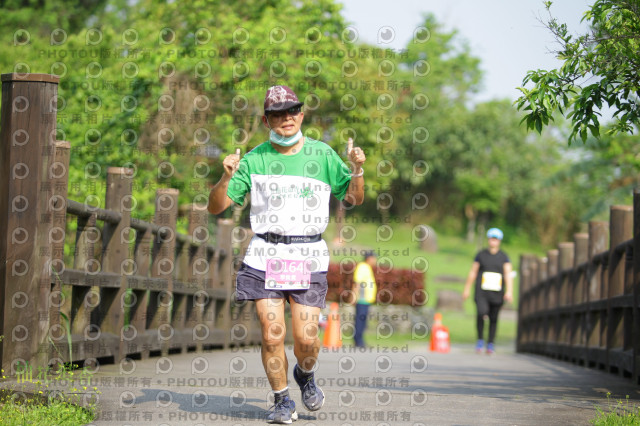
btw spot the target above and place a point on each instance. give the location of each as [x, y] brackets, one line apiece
[55, 18]
[600, 68]
[169, 88]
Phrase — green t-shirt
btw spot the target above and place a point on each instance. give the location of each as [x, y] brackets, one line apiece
[289, 196]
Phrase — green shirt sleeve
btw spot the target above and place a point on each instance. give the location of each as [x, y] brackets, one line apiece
[240, 183]
[339, 175]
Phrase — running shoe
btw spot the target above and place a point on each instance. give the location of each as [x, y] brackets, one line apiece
[491, 349]
[312, 395]
[283, 412]
[479, 346]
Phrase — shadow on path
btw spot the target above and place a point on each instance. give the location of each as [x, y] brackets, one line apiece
[234, 406]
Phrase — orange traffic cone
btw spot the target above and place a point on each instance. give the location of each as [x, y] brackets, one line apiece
[332, 338]
[439, 335]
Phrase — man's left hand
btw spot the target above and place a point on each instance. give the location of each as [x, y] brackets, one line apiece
[356, 155]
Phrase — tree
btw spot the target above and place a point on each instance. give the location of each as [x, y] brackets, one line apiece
[604, 173]
[168, 87]
[63, 17]
[601, 67]
[443, 74]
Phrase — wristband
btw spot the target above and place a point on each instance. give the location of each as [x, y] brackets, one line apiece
[359, 174]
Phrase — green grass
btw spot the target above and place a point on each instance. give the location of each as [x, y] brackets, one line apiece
[452, 261]
[453, 258]
[618, 414]
[37, 410]
[462, 330]
[396, 340]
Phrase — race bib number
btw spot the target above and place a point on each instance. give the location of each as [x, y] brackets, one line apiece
[284, 274]
[491, 281]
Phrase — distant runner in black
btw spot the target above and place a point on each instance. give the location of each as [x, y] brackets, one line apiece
[491, 271]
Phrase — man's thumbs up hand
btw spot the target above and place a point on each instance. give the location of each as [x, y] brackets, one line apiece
[355, 155]
[231, 163]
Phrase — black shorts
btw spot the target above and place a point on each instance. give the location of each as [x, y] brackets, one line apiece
[488, 299]
[250, 286]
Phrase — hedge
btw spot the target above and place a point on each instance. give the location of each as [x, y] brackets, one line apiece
[396, 286]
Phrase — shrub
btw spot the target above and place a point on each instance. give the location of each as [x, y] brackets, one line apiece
[396, 286]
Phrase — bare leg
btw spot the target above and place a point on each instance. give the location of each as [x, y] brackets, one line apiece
[271, 316]
[304, 321]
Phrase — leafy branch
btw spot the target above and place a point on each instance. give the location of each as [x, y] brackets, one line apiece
[600, 68]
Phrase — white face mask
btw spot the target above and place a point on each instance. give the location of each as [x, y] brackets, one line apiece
[284, 140]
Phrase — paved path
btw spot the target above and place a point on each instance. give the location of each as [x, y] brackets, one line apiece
[378, 387]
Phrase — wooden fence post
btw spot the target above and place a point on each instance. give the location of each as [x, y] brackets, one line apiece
[534, 282]
[543, 270]
[581, 255]
[199, 232]
[180, 306]
[621, 227]
[578, 297]
[163, 264]
[598, 239]
[565, 262]
[621, 230]
[535, 288]
[59, 178]
[552, 271]
[138, 315]
[552, 294]
[225, 273]
[635, 329]
[523, 277]
[115, 239]
[542, 302]
[28, 123]
[86, 298]
[563, 318]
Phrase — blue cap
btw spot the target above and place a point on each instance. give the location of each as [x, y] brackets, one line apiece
[495, 233]
[369, 253]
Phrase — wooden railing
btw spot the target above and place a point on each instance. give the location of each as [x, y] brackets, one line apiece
[581, 303]
[135, 288]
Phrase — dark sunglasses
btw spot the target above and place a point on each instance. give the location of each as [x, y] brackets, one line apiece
[291, 111]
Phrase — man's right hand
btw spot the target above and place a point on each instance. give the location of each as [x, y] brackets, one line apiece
[231, 163]
[219, 201]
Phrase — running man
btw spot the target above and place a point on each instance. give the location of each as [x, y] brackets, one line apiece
[290, 178]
